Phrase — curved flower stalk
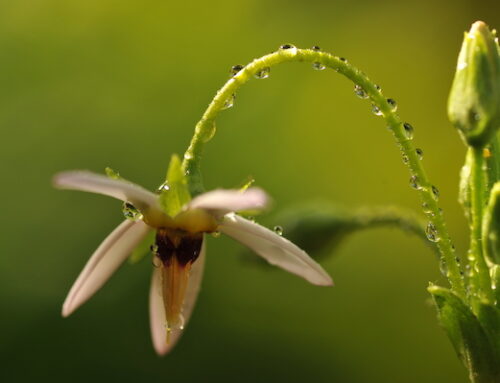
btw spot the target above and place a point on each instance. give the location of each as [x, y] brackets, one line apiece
[180, 224]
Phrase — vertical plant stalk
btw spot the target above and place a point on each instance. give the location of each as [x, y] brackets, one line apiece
[205, 129]
[480, 280]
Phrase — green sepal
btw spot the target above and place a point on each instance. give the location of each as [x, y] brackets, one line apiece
[143, 249]
[491, 226]
[464, 185]
[474, 101]
[470, 340]
[174, 193]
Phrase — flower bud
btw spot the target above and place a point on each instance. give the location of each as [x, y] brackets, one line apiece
[474, 102]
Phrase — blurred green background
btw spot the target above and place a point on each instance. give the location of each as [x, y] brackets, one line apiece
[89, 84]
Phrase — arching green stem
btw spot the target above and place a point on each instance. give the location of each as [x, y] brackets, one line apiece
[205, 127]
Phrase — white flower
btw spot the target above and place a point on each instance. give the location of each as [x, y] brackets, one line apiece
[179, 247]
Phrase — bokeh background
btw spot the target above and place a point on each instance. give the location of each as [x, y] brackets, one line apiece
[89, 84]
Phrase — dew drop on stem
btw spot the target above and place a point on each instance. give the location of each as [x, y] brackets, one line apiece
[360, 92]
[229, 102]
[408, 130]
[263, 73]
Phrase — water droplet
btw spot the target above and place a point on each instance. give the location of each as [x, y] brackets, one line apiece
[420, 153]
[376, 110]
[236, 68]
[130, 211]
[163, 187]
[278, 230]
[289, 48]
[229, 102]
[435, 192]
[378, 87]
[431, 233]
[156, 261]
[318, 66]
[316, 48]
[426, 208]
[415, 183]
[216, 234]
[112, 173]
[405, 159]
[263, 73]
[408, 130]
[343, 59]
[392, 103]
[360, 92]
[443, 267]
[209, 129]
[154, 248]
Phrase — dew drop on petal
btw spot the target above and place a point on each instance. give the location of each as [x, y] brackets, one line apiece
[263, 73]
[130, 211]
[315, 48]
[278, 230]
[408, 130]
[113, 174]
[360, 92]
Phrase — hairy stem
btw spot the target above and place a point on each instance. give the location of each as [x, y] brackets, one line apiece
[204, 131]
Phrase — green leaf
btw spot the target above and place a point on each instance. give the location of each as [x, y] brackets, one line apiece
[491, 226]
[489, 316]
[467, 336]
[174, 193]
[320, 228]
[474, 101]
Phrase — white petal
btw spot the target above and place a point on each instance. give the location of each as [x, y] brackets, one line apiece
[225, 201]
[106, 259]
[157, 311]
[97, 183]
[275, 249]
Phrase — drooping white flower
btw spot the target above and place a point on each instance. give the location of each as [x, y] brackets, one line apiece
[179, 249]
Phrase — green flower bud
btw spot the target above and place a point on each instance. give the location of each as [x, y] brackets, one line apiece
[474, 102]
